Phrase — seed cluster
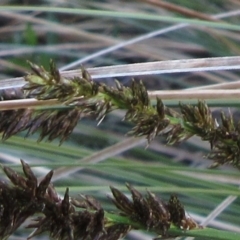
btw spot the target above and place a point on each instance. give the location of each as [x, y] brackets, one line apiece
[81, 218]
[81, 96]
[152, 212]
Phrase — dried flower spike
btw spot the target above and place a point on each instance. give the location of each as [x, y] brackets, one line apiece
[151, 212]
[84, 217]
[21, 200]
[80, 96]
[50, 85]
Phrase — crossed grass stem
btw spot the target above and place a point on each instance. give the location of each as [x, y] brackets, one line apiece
[82, 97]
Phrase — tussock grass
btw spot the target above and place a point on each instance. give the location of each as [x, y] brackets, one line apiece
[111, 40]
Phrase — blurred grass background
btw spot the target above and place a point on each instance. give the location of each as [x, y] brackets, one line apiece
[77, 39]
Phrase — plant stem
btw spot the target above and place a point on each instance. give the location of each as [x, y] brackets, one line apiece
[150, 68]
[164, 95]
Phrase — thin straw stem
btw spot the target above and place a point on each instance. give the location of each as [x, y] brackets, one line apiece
[138, 69]
[27, 103]
[163, 95]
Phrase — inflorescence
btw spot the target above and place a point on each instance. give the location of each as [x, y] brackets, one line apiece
[80, 97]
[83, 217]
